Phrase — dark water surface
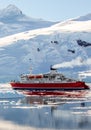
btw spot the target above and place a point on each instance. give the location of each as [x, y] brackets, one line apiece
[46, 112]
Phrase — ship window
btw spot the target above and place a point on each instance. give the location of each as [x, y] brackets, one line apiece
[45, 76]
[53, 76]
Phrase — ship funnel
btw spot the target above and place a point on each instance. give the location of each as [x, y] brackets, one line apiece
[52, 68]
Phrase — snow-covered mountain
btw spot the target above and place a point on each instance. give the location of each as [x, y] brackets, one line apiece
[66, 45]
[83, 18]
[12, 21]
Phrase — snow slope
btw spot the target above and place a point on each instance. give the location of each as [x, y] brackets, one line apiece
[36, 50]
[83, 18]
[12, 21]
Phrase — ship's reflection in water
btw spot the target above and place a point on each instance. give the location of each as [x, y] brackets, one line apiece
[46, 112]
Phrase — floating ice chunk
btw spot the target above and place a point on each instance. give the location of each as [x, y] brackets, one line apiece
[8, 92]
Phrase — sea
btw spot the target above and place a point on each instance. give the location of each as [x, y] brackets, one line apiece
[71, 111]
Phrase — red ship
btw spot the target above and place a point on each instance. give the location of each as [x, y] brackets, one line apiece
[50, 82]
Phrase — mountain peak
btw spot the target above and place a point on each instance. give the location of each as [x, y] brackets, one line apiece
[12, 7]
[10, 10]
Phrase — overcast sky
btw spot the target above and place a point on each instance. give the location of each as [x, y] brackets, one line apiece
[53, 10]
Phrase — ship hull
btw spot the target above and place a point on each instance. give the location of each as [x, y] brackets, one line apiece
[49, 86]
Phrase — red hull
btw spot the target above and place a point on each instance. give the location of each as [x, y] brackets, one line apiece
[49, 86]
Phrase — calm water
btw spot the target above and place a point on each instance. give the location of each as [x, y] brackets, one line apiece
[44, 112]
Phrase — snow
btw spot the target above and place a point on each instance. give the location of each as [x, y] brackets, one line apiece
[14, 21]
[10, 10]
[6, 92]
[16, 50]
[72, 27]
[40, 48]
[83, 18]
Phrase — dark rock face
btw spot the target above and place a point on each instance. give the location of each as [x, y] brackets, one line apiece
[83, 43]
